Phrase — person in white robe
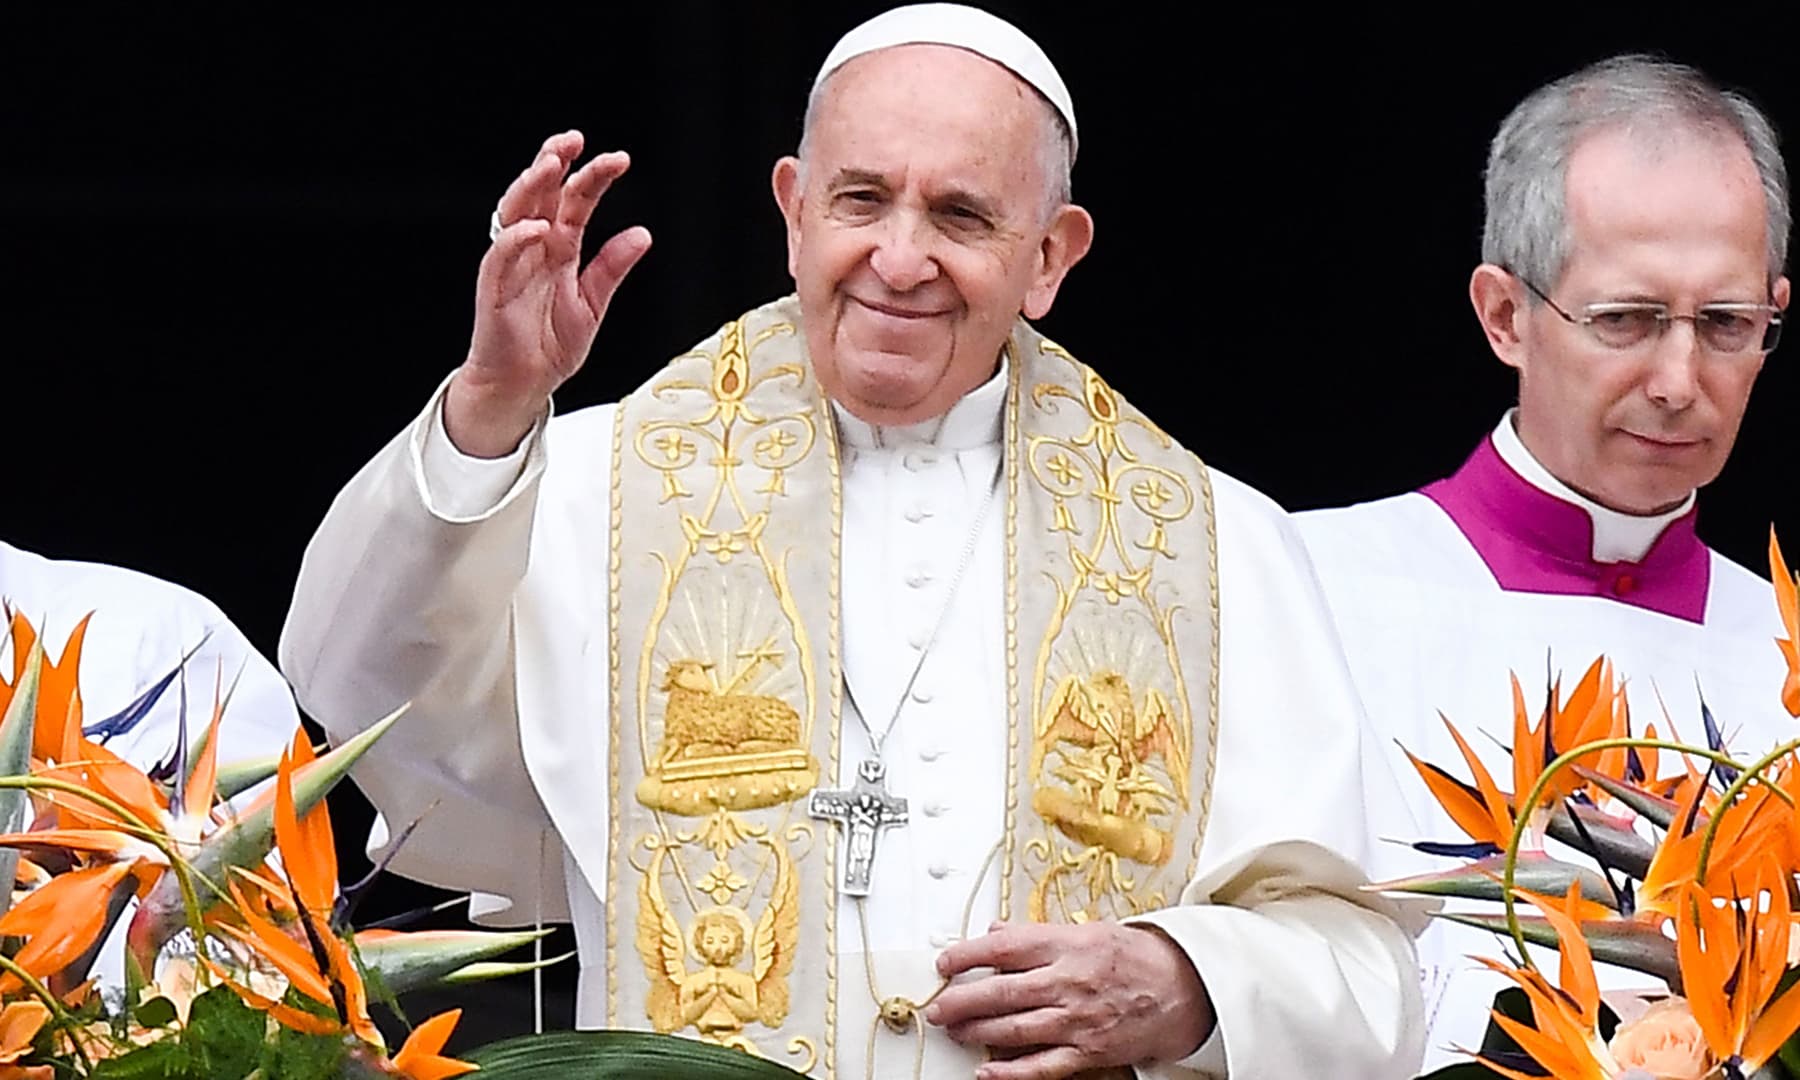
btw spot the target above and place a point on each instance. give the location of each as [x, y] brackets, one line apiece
[148, 643]
[1632, 273]
[466, 570]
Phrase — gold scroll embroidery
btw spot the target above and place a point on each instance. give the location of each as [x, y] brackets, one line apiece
[1112, 726]
[727, 658]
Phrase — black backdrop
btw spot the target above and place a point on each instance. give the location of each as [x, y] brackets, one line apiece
[238, 252]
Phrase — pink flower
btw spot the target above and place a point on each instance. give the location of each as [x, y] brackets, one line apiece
[1666, 1042]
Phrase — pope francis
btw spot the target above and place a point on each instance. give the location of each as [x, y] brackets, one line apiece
[874, 690]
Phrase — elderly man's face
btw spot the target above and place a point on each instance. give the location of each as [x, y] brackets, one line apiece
[1682, 222]
[918, 231]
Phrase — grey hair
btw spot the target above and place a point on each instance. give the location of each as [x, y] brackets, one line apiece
[1527, 226]
[1056, 147]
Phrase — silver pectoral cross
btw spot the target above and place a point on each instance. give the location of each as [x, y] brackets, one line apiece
[862, 811]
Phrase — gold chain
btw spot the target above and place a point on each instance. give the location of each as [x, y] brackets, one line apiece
[899, 1012]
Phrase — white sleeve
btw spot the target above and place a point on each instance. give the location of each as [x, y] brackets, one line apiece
[1308, 974]
[461, 488]
[406, 595]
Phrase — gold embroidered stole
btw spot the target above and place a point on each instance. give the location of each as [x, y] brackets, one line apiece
[726, 678]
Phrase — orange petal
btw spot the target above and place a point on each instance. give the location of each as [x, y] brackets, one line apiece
[1490, 792]
[24, 637]
[19, 1025]
[198, 795]
[1527, 748]
[91, 841]
[1787, 601]
[291, 958]
[289, 1017]
[307, 851]
[1467, 811]
[420, 1059]
[59, 697]
[1787, 596]
[62, 920]
[1774, 1025]
[1703, 973]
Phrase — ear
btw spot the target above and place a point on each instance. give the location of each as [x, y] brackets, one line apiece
[1068, 238]
[1500, 306]
[786, 183]
[1779, 294]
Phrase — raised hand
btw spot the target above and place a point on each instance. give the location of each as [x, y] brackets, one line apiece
[536, 308]
[1065, 999]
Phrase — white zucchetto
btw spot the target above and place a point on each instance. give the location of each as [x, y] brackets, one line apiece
[963, 27]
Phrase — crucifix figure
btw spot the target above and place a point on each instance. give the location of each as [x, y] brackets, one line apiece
[862, 811]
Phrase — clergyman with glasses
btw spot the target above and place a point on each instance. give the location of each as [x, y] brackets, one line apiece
[1636, 233]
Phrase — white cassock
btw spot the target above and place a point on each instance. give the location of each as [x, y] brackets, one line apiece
[477, 589]
[140, 629]
[1440, 593]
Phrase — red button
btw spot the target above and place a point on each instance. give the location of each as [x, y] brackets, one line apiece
[1623, 584]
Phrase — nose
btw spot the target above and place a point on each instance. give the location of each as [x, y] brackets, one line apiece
[1674, 380]
[902, 257]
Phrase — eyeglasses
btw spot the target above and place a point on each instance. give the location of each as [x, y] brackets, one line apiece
[1725, 328]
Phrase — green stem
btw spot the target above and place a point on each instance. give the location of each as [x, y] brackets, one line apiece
[43, 994]
[1523, 812]
[1732, 791]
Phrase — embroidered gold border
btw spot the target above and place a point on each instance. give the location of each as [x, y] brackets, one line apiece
[1212, 689]
[614, 821]
[1011, 448]
[835, 661]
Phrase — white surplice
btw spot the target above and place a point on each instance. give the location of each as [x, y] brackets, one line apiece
[1428, 629]
[478, 590]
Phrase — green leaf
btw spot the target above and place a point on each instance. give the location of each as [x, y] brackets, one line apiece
[484, 972]
[294, 1056]
[157, 1012]
[16, 730]
[1656, 809]
[1618, 846]
[236, 777]
[618, 1055]
[1480, 880]
[224, 1036]
[165, 1060]
[1634, 945]
[422, 958]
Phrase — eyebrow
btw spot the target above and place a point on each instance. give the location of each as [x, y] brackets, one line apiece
[953, 197]
[854, 177]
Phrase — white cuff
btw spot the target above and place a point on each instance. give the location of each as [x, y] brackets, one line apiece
[459, 487]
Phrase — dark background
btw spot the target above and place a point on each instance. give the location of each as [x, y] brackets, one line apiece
[238, 253]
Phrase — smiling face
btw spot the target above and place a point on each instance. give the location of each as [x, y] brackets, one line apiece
[917, 229]
[1680, 222]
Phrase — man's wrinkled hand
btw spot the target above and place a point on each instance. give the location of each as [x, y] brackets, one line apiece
[1062, 999]
[536, 308]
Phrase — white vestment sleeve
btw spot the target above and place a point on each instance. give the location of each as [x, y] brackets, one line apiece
[405, 595]
[1309, 975]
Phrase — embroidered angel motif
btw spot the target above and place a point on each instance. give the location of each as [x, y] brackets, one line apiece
[719, 999]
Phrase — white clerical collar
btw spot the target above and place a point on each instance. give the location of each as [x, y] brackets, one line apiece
[972, 422]
[1618, 536]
